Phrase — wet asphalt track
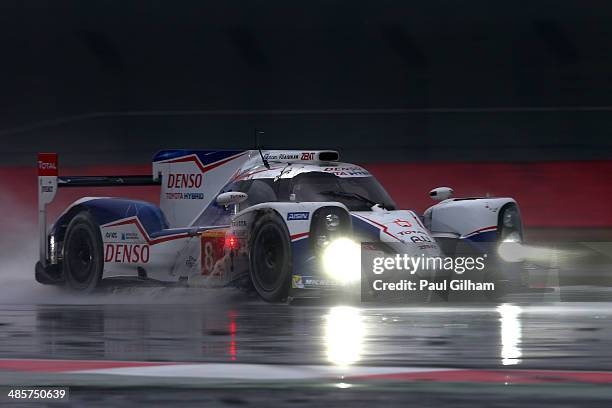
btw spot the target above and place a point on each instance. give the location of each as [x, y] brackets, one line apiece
[177, 324]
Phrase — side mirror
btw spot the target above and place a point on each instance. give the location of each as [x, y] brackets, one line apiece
[231, 198]
[441, 193]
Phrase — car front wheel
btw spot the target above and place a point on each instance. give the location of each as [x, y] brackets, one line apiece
[270, 258]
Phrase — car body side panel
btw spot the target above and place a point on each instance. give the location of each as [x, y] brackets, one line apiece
[128, 246]
[466, 219]
[191, 180]
[105, 210]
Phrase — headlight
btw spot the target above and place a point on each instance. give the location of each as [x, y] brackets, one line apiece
[510, 217]
[510, 226]
[332, 222]
[327, 224]
[510, 235]
[342, 260]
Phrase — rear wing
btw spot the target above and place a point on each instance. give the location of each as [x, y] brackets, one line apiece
[49, 182]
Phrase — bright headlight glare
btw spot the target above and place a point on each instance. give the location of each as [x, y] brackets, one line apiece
[342, 260]
[511, 251]
[513, 237]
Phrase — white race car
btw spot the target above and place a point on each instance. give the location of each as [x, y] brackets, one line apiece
[285, 222]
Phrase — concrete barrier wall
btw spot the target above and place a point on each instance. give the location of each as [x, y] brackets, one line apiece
[551, 194]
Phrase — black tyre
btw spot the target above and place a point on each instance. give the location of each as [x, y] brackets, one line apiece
[270, 258]
[83, 254]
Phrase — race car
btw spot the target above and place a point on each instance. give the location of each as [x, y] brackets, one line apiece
[284, 222]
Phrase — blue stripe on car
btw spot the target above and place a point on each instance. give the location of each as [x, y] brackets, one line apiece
[205, 156]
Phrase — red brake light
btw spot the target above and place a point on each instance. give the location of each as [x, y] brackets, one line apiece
[231, 242]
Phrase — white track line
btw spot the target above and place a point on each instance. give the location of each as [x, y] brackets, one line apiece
[252, 372]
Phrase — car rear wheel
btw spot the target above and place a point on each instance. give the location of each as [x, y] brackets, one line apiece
[270, 258]
[83, 263]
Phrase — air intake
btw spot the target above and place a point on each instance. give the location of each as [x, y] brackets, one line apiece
[329, 156]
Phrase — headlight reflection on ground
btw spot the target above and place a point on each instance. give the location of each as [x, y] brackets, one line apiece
[344, 334]
[510, 323]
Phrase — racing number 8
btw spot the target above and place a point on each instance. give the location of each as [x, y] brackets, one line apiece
[211, 250]
[209, 259]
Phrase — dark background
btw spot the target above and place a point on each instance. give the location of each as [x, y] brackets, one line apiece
[380, 81]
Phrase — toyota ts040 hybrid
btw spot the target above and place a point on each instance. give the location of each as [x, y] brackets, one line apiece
[288, 223]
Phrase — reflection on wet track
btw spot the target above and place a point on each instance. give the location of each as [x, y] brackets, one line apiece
[295, 344]
[344, 335]
[510, 334]
[558, 335]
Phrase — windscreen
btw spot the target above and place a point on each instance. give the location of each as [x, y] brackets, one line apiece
[357, 193]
